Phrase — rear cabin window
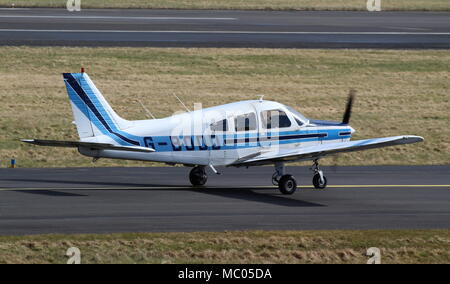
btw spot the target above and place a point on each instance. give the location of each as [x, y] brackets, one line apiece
[275, 119]
[245, 122]
[220, 126]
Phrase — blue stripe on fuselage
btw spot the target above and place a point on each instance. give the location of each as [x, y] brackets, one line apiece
[251, 140]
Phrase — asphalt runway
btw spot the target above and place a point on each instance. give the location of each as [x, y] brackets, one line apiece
[216, 28]
[106, 200]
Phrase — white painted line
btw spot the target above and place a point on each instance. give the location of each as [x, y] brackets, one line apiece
[12, 9]
[226, 32]
[406, 28]
[119, 18]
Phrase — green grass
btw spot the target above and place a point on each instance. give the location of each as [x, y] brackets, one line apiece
[399, 92]
[397, 246]
[391, 5]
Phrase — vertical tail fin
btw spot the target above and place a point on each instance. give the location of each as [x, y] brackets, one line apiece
[93, 115]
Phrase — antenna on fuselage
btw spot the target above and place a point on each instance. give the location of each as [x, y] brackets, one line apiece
[146, 109]
[181, 102]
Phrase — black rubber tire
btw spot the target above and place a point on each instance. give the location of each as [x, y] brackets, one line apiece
[198, 176]
[287, 185]
[317, 184]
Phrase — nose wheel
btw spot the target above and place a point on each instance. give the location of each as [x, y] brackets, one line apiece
[198, 176]
[319, 180]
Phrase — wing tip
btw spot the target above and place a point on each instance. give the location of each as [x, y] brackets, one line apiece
[414, 138]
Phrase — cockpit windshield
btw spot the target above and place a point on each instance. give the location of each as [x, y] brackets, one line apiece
[298, 115]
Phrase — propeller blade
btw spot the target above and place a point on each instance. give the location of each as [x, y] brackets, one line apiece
[348, 109]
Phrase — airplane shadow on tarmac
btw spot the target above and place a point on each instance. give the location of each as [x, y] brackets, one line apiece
[51, 193]
[249, 194]
[268, 196]
[88, 183]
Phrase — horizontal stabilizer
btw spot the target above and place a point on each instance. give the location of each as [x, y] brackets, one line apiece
[92, 145]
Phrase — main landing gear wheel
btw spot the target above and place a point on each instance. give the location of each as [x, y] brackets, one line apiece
[198, 176]
[287, 184]
[319, 183]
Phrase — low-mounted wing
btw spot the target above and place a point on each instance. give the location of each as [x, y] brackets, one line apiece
[320, 151]
[92, 145]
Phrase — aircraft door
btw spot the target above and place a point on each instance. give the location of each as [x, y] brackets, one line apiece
[217, 136]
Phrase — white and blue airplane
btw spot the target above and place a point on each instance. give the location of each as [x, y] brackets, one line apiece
[241, 134]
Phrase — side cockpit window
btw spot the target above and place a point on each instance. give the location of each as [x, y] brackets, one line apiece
[299, 122]
[275, 119]
[220, 126]
[245, 122]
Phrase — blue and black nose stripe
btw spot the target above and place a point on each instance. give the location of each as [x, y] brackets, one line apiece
[345, 133]
[111, 128]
